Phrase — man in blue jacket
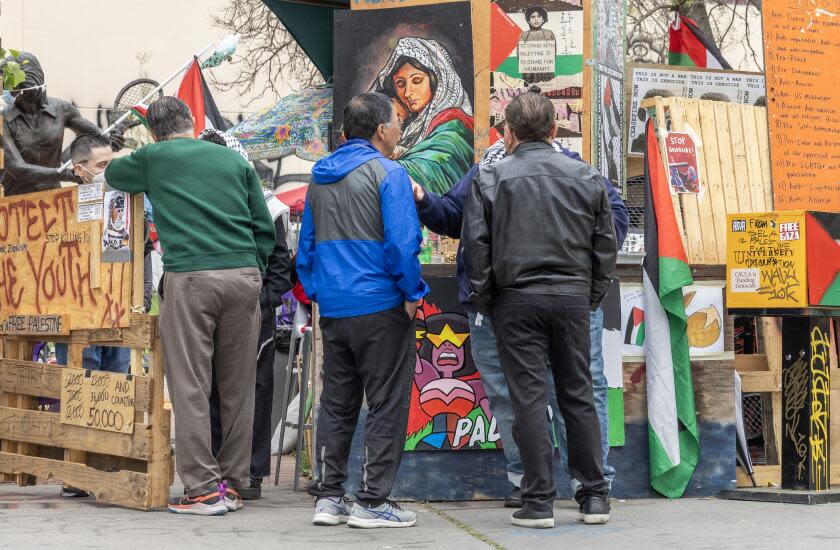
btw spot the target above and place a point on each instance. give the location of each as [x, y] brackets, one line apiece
[444, 215]
[357, 258]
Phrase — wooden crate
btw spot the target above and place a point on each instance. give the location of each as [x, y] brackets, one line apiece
[136, 469]
[733, 158]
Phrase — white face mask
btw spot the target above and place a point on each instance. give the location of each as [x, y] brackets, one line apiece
[94, 178]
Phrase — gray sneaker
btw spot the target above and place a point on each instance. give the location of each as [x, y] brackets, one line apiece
[387, 514]
[330, 511]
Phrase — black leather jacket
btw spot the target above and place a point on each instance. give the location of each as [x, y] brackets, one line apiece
[541, 223]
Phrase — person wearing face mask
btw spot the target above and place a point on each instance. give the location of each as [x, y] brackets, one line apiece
[34, 132]
[90, 155]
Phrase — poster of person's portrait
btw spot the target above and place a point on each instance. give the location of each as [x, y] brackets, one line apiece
[421, 58]
[116, 227]
[541, 43]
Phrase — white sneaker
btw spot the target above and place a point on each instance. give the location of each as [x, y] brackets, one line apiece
[387, 514]
[330, 511]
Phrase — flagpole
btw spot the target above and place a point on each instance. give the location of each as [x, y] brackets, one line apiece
[125, 115]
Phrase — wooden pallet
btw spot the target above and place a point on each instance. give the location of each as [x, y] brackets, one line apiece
[733, 152]
[132, 470]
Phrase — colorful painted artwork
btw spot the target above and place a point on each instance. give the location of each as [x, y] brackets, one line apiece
[823, 249]
[421, 58]
[538, 43]
[608, 105]
[449, 408]
[611, 349]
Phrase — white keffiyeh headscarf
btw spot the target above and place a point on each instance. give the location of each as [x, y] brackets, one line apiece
[230, 141]
[450, 91]
[497, 152]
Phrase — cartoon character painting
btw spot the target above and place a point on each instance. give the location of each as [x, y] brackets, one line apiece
[449, 407]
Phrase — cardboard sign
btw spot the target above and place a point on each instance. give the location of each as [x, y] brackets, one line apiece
[682, 163]
[36, 325]
[766, 260]
[537, 56]
[48, 265]
[99, 400]
[802, 48]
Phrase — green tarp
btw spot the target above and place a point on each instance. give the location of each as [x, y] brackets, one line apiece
[311, 25]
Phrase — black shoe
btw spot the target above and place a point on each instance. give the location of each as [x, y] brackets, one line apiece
[514, 499]
[252, 492]
[73, 492]
[528, 516]
[595, 510]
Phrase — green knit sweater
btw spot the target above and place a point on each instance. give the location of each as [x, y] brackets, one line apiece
[210, 212]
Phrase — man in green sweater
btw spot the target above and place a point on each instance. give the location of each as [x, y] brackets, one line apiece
[217, 234]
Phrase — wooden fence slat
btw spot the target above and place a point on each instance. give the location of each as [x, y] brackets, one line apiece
[44, 428]
[709, 233]
[124, 488]
[714, 183]
[160, 462]
[753, 160]
[764, 152]
[44, 380]
[739, 158]
[727, 164]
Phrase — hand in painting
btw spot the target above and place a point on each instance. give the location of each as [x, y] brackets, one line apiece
[419, 192]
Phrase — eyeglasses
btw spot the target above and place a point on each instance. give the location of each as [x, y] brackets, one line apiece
[398, 122]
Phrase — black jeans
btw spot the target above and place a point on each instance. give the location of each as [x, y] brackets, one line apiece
[263, 400]
[532, 331]
[372, 356]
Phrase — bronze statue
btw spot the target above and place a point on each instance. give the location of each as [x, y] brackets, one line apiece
[34, 132]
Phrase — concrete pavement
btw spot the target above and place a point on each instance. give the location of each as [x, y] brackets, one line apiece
[36, 517]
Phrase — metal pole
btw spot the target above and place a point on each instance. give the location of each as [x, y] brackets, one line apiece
[110, 128]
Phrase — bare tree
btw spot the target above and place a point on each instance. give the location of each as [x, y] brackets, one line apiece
[734, 25]
[267, 53]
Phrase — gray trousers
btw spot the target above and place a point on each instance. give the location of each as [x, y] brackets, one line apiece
[210, 319]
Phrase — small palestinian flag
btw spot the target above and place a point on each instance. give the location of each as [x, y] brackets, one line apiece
[673, 436]
[139, 111]
[196, 94]
[635, 329]
[689, 47]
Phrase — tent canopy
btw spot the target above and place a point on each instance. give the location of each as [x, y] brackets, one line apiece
[310, 22]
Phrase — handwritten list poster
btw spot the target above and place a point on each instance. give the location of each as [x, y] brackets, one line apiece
[100, 400]
[802, 55]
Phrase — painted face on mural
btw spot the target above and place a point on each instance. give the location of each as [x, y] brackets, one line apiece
[448, 358]
[414, 87]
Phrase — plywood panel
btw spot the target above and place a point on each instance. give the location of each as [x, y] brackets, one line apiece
[714, 183]
[739, 159]
[753, 162]
[703, 200]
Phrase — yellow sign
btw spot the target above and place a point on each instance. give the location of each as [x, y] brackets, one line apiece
[99, 400]
[765, 260]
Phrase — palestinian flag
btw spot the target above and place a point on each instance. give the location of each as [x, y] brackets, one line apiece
[139, 111]
[689, 47]
[672, 423]
[635, 329]
[196, 94]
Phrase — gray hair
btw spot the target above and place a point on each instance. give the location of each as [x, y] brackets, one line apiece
[169, 116]
[530, 116]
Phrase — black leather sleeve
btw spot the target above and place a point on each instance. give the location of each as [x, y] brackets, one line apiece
[277, 280]
[476, 236]
[604, 251]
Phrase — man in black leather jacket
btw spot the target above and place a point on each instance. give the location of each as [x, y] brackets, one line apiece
[540, 249]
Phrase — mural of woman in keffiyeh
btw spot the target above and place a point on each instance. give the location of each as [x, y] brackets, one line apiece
[436, 148]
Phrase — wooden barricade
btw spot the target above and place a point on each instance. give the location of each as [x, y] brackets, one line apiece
[112, 436]
[733, 161]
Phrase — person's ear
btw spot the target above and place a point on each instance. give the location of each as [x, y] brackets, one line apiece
[77, 169]
[554, 130]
